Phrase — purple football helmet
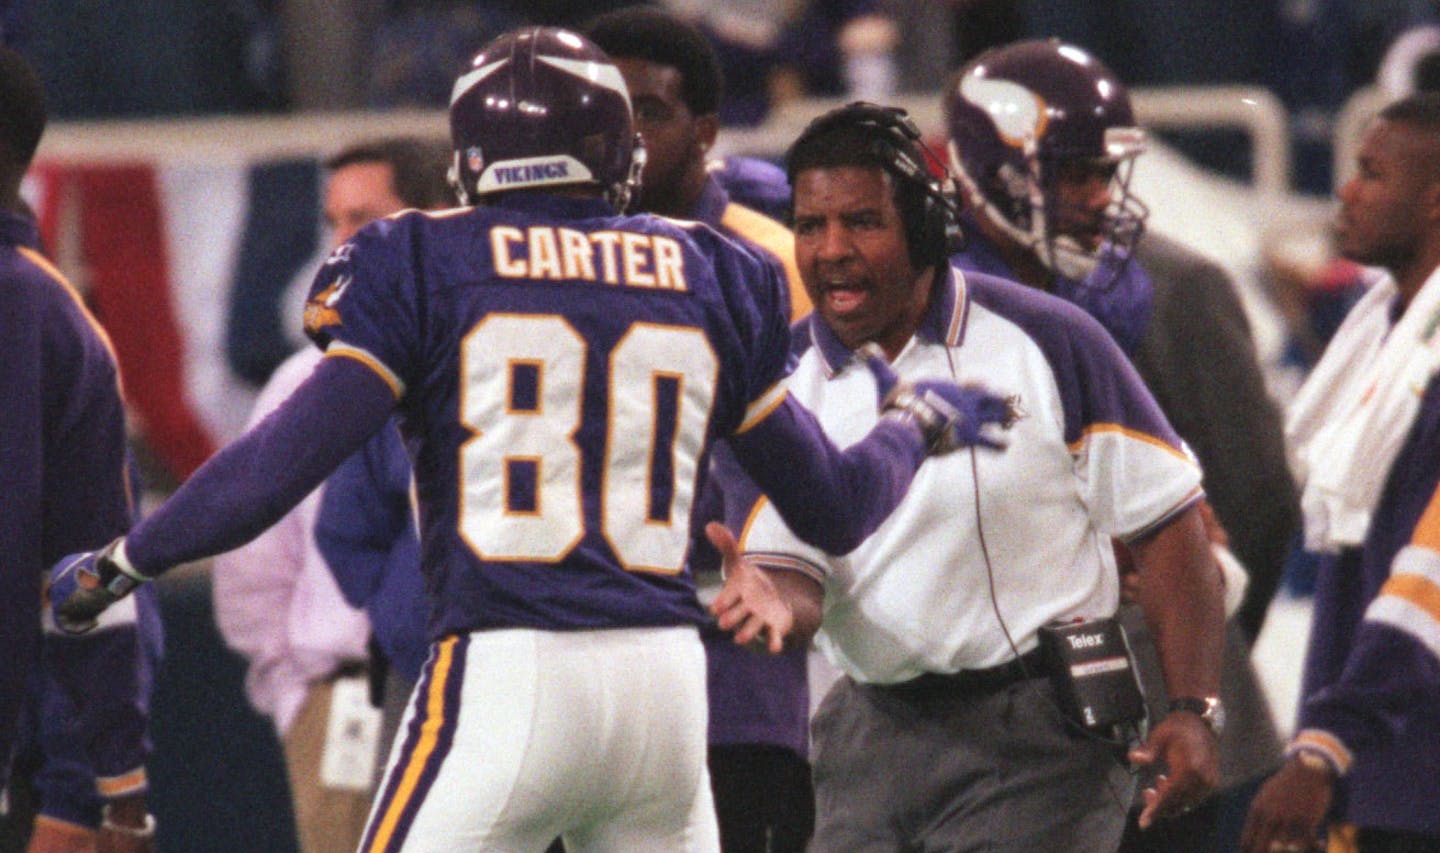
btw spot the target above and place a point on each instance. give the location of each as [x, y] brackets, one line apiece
[539, 107]
[1023, 115]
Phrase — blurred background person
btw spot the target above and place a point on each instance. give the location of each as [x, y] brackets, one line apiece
[276, 600]
[1364, 768]
[1044, 138]
[65, 482]
[758, 735]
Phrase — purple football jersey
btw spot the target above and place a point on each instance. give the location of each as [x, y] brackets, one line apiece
[562, 372]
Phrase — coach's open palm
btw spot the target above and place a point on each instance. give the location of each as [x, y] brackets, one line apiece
[749, 604]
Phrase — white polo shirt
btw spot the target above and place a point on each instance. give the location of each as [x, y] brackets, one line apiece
[1091, 457]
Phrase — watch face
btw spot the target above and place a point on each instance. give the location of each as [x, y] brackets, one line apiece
[1214, 714]
[1210, 709]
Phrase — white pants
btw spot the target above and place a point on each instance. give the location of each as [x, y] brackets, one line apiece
[515, 737]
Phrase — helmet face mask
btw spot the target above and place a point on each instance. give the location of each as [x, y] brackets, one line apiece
[542, 107]
[1037, 129]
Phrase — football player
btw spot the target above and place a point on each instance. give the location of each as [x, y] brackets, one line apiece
[1044, 138]
[561, 370]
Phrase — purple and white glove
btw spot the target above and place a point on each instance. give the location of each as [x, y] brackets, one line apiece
[83, 585]
[949, 416]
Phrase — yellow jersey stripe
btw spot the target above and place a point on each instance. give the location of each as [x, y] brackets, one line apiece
[115, 786]
[424, 747]
[1095, 429]
[1427, 531]
[53, 271]
[1417, 590]
[344, 351]
[776, 239]
[761, 408]
[750, 520]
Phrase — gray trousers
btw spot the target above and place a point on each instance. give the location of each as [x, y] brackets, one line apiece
[994, 771]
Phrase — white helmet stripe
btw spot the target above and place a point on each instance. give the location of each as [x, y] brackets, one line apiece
[600, 73]
[473, 76]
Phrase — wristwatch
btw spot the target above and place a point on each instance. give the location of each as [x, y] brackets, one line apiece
[1209, 708]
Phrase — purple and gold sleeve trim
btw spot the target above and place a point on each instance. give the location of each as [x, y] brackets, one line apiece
[761, 408]
[1193, 497]
[1089, 431]
[54, 273]
[113, 787]
[776, 560]
[427, 742]
[1324, 744]
[787, 563]
[1409, 601]
[340, 350]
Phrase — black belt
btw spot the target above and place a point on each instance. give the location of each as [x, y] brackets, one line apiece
[1032, 664]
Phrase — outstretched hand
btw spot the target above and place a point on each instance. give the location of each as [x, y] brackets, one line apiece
[749, 604]
[950, 416]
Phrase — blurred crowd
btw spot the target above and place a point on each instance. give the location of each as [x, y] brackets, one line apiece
[175, 57]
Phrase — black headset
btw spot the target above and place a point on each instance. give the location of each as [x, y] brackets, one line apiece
[930, 214]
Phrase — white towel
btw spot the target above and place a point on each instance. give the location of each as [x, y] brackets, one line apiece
[1350, 418]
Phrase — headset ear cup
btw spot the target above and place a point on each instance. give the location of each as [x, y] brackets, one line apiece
[939, 229]
[931, 218]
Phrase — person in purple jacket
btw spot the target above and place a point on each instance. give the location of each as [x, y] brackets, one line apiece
[563, 370]
[63, 475]
[1365, 761]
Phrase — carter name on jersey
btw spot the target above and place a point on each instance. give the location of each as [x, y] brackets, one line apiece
[612, 257]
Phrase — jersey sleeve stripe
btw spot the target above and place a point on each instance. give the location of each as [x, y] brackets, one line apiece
[1409, 601]
[776, 559]
[339, 350]
[1427, 530]
[762, 407]
[750, 519]
[1135, 434]
[1324, 743]
[410, 769]
[53, 272]
[118, 786]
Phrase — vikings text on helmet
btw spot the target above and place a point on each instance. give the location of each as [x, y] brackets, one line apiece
[539, 107]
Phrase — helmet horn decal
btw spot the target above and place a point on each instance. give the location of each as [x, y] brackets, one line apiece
[1018, 113]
